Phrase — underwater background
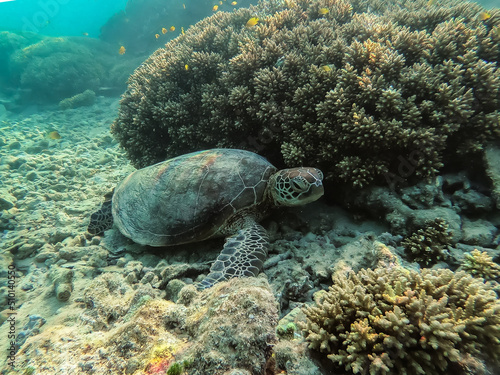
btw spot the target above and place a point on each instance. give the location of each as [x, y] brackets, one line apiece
[395, 270]
[58, 18]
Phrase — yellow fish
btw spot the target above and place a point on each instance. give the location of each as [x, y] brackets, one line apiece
[483, 16]
[157, 36]
[234, 3]
[186, 67]
[220, 2]
[182, 30]
[54, 135]
[85, 34]
[252, 22]
[324, 11]
[326, 68]
[163, 30]
[122, 50]
[184, 6]
[215, 8]
[172, 28]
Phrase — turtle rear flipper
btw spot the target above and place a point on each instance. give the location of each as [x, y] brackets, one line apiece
[101, 220]
[243, 255]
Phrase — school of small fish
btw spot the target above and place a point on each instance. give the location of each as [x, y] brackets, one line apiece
[253, 21]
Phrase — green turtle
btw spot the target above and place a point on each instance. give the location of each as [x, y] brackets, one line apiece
[207, 194]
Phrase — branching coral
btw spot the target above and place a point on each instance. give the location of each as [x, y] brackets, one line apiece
[480, 264]
[391, 320]
[428, 245]
[354, 90]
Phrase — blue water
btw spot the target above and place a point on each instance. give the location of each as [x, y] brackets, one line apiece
[58, 17]
[75, 17]
[53, 49]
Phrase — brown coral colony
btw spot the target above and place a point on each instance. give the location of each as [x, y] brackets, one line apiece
[356, 90]
[391, 320]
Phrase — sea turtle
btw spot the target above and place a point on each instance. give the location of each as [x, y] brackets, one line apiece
[207, 194]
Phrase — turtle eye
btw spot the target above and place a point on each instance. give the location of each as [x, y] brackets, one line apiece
[298, 184]
[320, 174]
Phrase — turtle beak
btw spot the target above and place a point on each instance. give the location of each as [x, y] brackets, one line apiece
[315, 192]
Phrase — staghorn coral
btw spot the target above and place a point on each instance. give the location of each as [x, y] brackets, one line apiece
[480, 264]
[358, 91]
[428, 245]
[392, 320]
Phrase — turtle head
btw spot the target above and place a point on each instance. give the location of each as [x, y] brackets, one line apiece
[296, 186]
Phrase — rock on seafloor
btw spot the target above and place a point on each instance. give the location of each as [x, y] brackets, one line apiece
[116, 329]
[492, 161]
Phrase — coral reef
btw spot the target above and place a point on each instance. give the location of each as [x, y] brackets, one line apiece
[480, 264]
[50, 69]
[79, 100]
[387, 95]
[121, 322]
[392, 320]
[56, 68]
[9, 43]
[427, 246]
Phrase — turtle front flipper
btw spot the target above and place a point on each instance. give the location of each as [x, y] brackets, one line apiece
[102, 219]
[243, 255]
